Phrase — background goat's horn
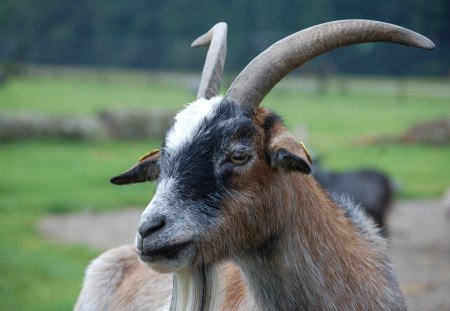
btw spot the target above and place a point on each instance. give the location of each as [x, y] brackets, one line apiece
[269, 67]
[216, 37]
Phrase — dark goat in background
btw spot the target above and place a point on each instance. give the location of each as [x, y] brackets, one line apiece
[370, 188]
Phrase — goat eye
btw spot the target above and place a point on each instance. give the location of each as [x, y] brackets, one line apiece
[239, 158]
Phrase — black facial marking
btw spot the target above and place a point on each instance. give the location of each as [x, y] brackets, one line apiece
[270, 121]
[194, 165]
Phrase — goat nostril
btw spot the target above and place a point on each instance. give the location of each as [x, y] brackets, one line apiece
[151, 225]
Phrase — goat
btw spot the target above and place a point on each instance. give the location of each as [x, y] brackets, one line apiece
[370, 188]
[233, 183]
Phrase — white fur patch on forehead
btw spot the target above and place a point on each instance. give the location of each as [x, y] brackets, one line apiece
[188, 121]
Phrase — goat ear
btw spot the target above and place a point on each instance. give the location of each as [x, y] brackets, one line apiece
[147, 169]
[287, 154]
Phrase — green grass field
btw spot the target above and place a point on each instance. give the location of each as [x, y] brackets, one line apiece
[42, 177]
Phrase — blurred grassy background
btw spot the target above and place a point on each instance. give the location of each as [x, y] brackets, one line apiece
[41, 177]
[137, 38]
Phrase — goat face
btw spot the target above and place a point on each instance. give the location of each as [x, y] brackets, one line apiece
[214, 196]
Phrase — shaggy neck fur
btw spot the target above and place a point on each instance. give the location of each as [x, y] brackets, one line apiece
[196, 289]
[321, 258]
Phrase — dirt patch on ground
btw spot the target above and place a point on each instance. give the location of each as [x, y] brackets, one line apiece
[99, 230]
[420, 235]
[421, 248]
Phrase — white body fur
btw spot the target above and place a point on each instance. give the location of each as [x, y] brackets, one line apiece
[118, 280]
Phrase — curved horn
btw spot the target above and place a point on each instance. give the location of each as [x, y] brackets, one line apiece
[269, 67]
[216, 37]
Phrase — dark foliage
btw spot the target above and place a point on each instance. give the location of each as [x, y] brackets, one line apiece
[156, 34]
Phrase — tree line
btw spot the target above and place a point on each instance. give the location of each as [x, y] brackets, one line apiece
[156, 34]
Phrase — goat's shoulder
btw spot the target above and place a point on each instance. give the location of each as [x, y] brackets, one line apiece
[118, 280]
[380, 259]
[363, 224]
